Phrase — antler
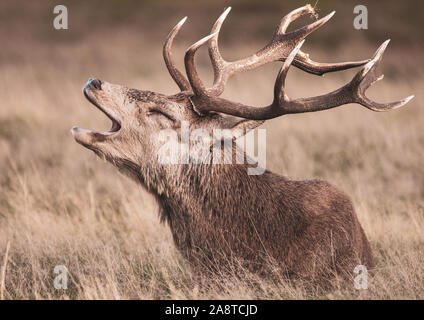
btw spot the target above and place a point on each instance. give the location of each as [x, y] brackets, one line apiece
[284, 47]
[353, 92]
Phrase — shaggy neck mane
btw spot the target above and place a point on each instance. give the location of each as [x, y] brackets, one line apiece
[205, 204]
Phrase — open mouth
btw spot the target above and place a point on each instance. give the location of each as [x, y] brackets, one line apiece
[116, 126]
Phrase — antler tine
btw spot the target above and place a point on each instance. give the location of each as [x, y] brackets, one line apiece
[178, 77]
[193, 77]
[367, 77]
[293, 15]
[278, 48]
[279, 87]
[301, 33]
[303, 62]
[217, 61]
[353, 92]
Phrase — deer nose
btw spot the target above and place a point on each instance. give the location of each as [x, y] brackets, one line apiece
[94, 84]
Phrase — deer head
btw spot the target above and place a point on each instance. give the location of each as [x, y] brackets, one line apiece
[138, 116]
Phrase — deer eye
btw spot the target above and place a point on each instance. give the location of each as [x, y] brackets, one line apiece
[154, 112]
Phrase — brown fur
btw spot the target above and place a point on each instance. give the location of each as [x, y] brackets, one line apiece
[221, 215]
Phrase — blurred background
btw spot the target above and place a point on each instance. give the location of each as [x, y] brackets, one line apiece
[59, 204]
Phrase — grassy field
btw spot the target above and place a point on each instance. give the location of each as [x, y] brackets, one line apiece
[61, 205]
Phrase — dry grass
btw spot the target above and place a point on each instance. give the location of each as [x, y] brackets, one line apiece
[59, 205]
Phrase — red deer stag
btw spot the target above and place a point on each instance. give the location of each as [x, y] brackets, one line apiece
[220, 215]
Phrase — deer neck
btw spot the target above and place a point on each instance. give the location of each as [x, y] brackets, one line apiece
[197, 190]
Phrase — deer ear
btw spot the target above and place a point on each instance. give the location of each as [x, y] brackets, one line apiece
[233, 128]
[239, 125]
